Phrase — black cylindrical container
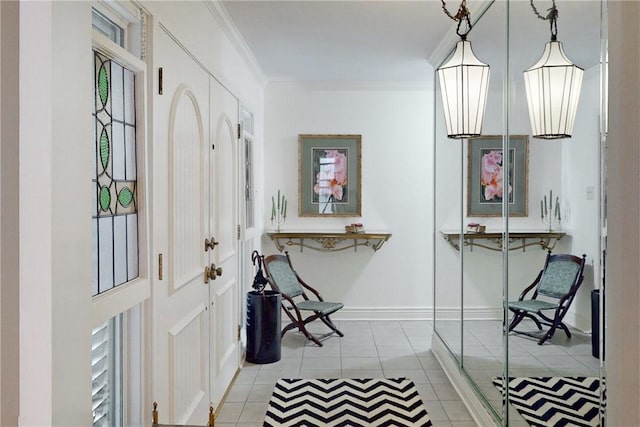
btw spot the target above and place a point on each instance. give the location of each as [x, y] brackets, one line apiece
[595, 324]
[263, 326]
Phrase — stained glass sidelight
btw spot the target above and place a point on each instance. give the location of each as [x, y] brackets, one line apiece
[115, 212]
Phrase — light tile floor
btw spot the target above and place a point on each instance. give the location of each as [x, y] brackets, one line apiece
[369, 349]
[483, 355]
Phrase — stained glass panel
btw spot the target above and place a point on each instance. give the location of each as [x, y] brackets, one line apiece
[115, 195]
[118, 151]
[132, 245]
[117, 97]
[105, 254]
[120, 249]
[129, 97]
[94, 256]
[130, 153]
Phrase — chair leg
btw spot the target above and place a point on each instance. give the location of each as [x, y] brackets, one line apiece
[515, 320]
[309, 335]
[519, 315]
[330, 324]
[565, 329]
[555, 323]
[535, 320]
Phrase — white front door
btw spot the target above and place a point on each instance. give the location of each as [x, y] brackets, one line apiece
[225, 344]
[180, 312]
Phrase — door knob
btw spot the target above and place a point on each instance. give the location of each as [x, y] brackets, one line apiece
[212, 272]
[210, 244]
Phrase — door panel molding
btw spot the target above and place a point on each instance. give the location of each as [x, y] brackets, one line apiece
[225, 303]
[226, 197]
[187, 157]
[187, 364]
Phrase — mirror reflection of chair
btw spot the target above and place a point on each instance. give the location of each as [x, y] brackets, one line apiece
[284, 279]
[553, 290]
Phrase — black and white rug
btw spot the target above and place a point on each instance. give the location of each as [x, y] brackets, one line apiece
[346, 402]
[555, 401]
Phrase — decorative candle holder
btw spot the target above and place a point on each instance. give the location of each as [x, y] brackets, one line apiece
[550, 212]
[278, 210]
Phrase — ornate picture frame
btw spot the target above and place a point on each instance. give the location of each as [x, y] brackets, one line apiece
[329, 175]
[485, 181]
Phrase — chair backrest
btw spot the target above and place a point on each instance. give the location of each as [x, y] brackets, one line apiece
[280, 273]
[560, 274]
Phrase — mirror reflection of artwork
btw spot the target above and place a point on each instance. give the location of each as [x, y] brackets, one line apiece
[329, 175]
[492, 176]
[331, 171]
[487, 182]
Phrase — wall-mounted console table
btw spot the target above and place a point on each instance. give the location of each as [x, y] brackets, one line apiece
[328, 242]
[493, 240]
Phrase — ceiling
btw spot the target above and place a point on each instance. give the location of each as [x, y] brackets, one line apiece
[391, 40]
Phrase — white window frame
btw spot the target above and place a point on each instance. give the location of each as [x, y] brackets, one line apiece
[248, 232]
[121, 298]
[128, 298]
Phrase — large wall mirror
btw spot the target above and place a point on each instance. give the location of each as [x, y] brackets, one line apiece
[483, 258]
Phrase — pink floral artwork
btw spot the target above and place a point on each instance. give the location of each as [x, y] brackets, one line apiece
[491, 175]
[331, 177]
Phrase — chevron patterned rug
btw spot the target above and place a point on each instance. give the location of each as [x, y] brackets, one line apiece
[555, 401]
[346, 402]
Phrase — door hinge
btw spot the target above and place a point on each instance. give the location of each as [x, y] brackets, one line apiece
[238, 231]
[159, 266]
[160, 83]
[239, 331]
[239, 131]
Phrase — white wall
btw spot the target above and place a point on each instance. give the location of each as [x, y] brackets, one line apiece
[581, 172]
[54, 217]
[394, 122]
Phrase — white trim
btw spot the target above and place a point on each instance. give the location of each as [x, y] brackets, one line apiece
[117, 53]
[121, 12]
[417, 313]
[426, 85]
[469, 397]
[470, 313]
[384, 313]
[119, 299]
[220, 13]
[578, 321]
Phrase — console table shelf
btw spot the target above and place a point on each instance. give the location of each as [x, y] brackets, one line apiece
[328, 242]
[493, 240]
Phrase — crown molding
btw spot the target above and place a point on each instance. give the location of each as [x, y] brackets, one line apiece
[220, 13]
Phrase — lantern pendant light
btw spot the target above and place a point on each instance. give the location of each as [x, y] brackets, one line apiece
[464, 84]
[553, 87]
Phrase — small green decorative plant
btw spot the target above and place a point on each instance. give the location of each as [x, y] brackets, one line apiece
[278, 210]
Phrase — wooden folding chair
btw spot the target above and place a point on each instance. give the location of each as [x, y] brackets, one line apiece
[284, 279]
[553, 289]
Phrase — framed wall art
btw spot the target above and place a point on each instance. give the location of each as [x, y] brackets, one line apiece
[329, 175]
[486, 179]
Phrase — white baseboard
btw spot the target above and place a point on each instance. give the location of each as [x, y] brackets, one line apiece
[470, 313]
[384, 313]
[443, 314]
[416, 313]
[579, 322]
[460, 383]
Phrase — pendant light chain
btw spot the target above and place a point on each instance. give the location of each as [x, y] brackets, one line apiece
[552, 17]
[462, 15]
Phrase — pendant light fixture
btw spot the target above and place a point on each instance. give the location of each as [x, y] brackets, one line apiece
[553, 87]
[464, 83]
